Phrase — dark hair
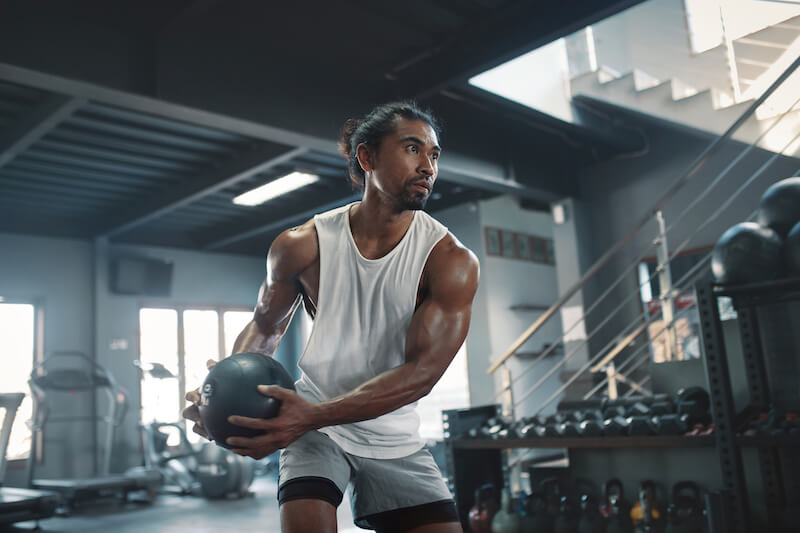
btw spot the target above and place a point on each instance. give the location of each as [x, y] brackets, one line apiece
[371, 130]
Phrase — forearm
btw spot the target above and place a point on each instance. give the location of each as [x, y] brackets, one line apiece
[255, 339]
[382, 394]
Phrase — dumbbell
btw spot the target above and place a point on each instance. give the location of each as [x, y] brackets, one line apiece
[670, 424]
[615, 426]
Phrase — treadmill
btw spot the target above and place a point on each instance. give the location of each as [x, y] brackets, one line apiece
[59, 378]
[19, 505]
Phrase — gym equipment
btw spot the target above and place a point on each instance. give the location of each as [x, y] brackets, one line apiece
[54, 381]
[223, 474]
[671, 424]
[506, 520]
[685, 511]
[200, 470]
[590, 428]
[591, 521]
[791, 252]
[536, 517]
[616, 426]
[695, 403]
[484, 509]
[646, 513]
[566, 521]
[231, 388]
[638, 425]
[615, 509]
[19, 505]
[780, 206]
[747, 253]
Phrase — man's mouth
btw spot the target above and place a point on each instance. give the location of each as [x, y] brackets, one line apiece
[422, 185]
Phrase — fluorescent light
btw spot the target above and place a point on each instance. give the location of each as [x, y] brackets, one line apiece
[275, 188]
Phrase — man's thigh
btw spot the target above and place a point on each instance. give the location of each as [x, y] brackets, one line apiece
[313, 468]
[406, 494]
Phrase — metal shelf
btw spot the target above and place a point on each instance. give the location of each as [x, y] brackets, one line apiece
[759, 441]
[655, 441]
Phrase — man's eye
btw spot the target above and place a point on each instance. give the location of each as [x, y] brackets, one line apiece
[435, 156]
[412, 147]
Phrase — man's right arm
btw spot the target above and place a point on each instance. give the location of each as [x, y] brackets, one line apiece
[291, 253]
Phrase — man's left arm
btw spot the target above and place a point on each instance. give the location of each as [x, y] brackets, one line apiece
[438, 329]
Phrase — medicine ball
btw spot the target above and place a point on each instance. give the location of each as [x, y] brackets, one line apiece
[746, 253]
[791, 252]
[780, 206]
[231, 389]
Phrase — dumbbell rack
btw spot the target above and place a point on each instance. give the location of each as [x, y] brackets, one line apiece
[779, 471]
[474, 461]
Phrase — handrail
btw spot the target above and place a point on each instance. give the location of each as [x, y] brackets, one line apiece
[676, 186]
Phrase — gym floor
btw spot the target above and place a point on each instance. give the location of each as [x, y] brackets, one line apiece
[179, 514]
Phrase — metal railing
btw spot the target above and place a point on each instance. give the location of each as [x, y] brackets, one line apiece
[639, 325]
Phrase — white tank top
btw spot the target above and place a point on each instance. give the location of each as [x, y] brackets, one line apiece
[364, 309]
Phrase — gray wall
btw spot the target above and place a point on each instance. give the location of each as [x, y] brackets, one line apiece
[618, 193]
[57, 275]
[506, 282]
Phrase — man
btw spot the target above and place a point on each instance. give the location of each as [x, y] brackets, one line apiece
[391, 291]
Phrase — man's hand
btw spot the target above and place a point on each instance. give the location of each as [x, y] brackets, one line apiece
[295, 418]
[193, 412]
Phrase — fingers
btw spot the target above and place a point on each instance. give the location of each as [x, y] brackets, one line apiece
[210, 363]
[193, 396]
[197, 428]
[252, 423]
[191, 413]
[275, 391]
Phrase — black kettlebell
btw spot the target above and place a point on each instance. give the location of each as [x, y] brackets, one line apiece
[536, 518]
[231, 388]
[685, 512]
[616, 509]
[567, 520]
[591, 521]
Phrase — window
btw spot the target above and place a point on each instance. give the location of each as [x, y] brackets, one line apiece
[181, 341]
[451, 392]
[17, 345]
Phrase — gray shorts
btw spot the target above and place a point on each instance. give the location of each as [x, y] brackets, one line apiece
[385, 494]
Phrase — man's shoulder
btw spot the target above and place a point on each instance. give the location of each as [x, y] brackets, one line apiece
[450, 255]
[294, 250]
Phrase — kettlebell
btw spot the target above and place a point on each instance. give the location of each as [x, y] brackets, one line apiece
[551, 489]
[615, 509]
[591, 521]
[685, 512]
[536, 518]
[481, 514]
[566, 521]
[506, 520]
[646, 513]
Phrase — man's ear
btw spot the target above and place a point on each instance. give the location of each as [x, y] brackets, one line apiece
[365, 156]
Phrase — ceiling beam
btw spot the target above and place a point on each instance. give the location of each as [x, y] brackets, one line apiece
[242, 168]
[489, 177]
[519, 28]
[283, 223]
[35, 124]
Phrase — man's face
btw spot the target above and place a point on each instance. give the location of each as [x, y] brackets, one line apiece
[406, 164]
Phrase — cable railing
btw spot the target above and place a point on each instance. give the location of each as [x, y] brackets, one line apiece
[639, 325]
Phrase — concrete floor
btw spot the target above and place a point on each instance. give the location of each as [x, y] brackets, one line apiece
[182, 514]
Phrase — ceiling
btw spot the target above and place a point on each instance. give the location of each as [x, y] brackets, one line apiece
[141, 121]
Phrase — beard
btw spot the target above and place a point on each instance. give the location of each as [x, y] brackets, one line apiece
[413, 201]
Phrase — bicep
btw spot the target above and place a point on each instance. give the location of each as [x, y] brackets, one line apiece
[440, 324]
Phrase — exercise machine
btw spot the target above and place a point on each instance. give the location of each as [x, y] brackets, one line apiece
[202, 469]
[59, 379]
[17, 504]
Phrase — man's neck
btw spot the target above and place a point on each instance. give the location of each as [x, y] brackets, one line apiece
[376, 228]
